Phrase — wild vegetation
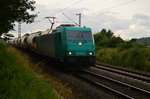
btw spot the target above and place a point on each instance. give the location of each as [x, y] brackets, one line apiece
[114, 50]
[18, 80]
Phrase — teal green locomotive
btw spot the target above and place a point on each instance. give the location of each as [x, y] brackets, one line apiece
[73, 46]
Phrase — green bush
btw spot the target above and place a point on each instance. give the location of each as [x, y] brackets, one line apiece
[17, 81]
[134, 57]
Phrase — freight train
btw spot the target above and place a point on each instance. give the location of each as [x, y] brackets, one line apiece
[73, 46]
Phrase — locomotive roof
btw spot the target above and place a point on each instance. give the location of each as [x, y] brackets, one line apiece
[66, 25]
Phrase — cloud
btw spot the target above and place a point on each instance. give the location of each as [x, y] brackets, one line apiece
[134, 31]
[139, 26]
[135, 27]
[99, 21]
[142, 19]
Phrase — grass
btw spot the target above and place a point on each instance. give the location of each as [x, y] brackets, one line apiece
[137, 58]
[18, 80]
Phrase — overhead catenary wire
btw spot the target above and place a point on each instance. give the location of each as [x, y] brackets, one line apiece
[118, 5]
[70, 19]
[66, 8]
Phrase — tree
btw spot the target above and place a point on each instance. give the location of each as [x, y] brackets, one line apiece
[115, 41]
[133, 40]
[108, 33]
[107, 39]
[15, 11]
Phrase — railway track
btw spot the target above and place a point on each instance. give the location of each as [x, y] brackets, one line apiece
[117, 88]
[125, 72]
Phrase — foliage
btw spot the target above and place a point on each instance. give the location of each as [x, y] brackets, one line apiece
[15, 10]
[128, 45]
[107, 39]
[18, 81]
[135, 57]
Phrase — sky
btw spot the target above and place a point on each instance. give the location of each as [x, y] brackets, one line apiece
[126, 18]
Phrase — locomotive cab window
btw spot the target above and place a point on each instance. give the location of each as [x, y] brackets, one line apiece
[79, 35]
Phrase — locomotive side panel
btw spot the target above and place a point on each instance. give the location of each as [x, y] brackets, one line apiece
[58, 46]
[45, 45]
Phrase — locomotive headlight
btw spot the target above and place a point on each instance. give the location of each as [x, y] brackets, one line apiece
[90, 53]
[80, 43]
[70, 53]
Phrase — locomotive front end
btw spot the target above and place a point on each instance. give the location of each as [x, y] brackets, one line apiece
[80, 46]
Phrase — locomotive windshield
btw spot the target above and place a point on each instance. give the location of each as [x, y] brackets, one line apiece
[79, 35]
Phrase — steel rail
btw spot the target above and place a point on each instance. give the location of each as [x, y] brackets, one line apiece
[129, 73]
[145, 92]
[121, 95]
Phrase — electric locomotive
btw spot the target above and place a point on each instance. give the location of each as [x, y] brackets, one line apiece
[71, 45]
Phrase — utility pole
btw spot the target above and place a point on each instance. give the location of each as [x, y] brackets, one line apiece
[19, 29]
[79, 19]
[51, 21]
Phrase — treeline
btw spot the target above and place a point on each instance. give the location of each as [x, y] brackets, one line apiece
[114, 50]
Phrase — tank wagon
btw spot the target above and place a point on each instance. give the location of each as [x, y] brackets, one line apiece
[73, 46]
[30, 40]
[24, 41]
